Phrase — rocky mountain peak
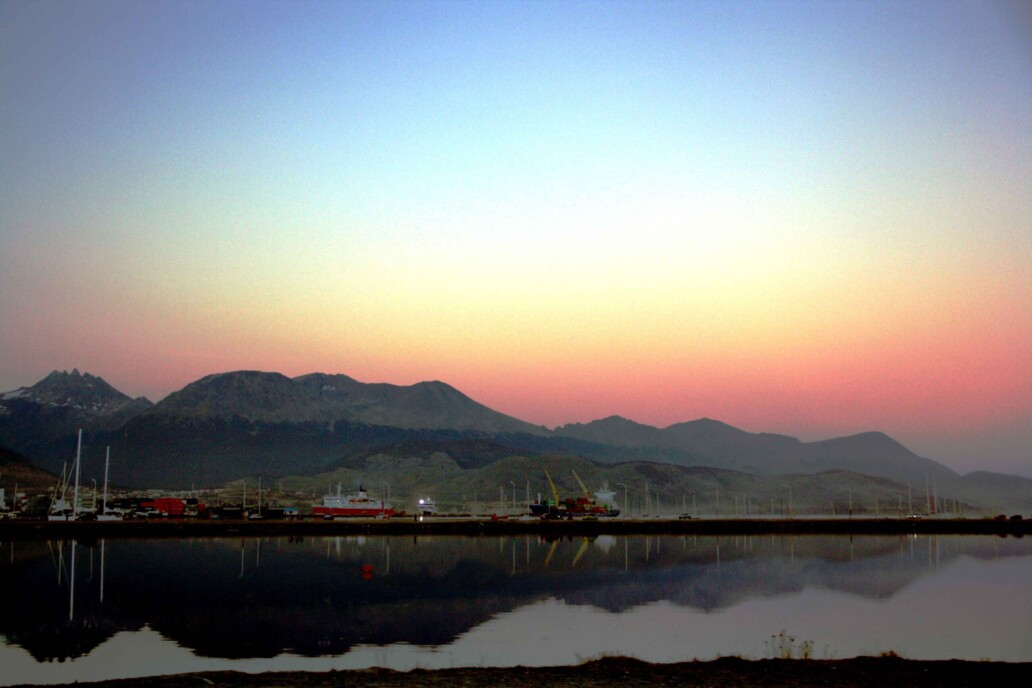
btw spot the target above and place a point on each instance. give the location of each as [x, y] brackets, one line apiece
[81, 391]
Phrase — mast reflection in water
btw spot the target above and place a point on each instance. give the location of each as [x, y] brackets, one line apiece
[347, 602]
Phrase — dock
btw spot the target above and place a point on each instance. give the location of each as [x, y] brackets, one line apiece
[501, 526]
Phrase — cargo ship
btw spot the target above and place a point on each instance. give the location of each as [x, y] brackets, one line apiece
[602, 505]
[358, 504]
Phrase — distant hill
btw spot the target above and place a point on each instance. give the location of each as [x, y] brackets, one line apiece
[228, 426]
[616, 431]
[713, 443]
[640, 486]
[875, 453]
[201, 451]
[1006, 493]
[271, 397]
[735, 448]
[707, 442]
[18, 471]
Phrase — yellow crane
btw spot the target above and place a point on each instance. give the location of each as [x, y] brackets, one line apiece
[582, 486]
[551, 551]
[555, 492]
[580, 552]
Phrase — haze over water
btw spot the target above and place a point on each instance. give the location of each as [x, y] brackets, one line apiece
[145, 607]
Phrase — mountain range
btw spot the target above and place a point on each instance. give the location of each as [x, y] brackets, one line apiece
[234, 425]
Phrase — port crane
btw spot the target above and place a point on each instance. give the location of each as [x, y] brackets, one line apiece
[579, 507]
[583, 487]
[555, 492]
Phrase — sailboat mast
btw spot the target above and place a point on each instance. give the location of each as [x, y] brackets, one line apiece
[78, 462]
[71, 587]
[107, 462]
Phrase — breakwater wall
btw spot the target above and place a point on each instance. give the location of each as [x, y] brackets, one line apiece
[442, 525]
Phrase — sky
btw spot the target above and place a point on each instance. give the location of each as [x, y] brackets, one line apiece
[810, 218]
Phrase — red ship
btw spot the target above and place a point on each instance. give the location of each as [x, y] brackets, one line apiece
[576, 507]
[360, 504]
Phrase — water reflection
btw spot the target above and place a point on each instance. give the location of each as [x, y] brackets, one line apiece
[367, 601]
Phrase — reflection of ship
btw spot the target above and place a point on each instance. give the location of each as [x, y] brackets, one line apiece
[576, 507]
[426, 506]
[359, 504]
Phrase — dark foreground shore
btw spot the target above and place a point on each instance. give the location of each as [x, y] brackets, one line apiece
[629, 673]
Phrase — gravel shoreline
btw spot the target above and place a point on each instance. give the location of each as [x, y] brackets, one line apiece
[614, 672]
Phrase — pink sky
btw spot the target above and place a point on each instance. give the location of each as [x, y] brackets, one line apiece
[805, 218]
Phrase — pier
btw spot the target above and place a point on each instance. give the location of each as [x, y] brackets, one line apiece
[481, 526]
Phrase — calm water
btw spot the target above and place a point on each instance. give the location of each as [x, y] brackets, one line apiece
[143, 607]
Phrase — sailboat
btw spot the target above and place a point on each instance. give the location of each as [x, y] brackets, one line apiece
[60, 508]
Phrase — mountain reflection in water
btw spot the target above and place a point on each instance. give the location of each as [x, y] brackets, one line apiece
[323, 597]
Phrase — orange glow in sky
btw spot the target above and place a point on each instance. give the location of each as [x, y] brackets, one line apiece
[806, 218]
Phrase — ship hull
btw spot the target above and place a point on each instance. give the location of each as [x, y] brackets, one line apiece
[353, 505]
[576, 511]
[346, 511]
